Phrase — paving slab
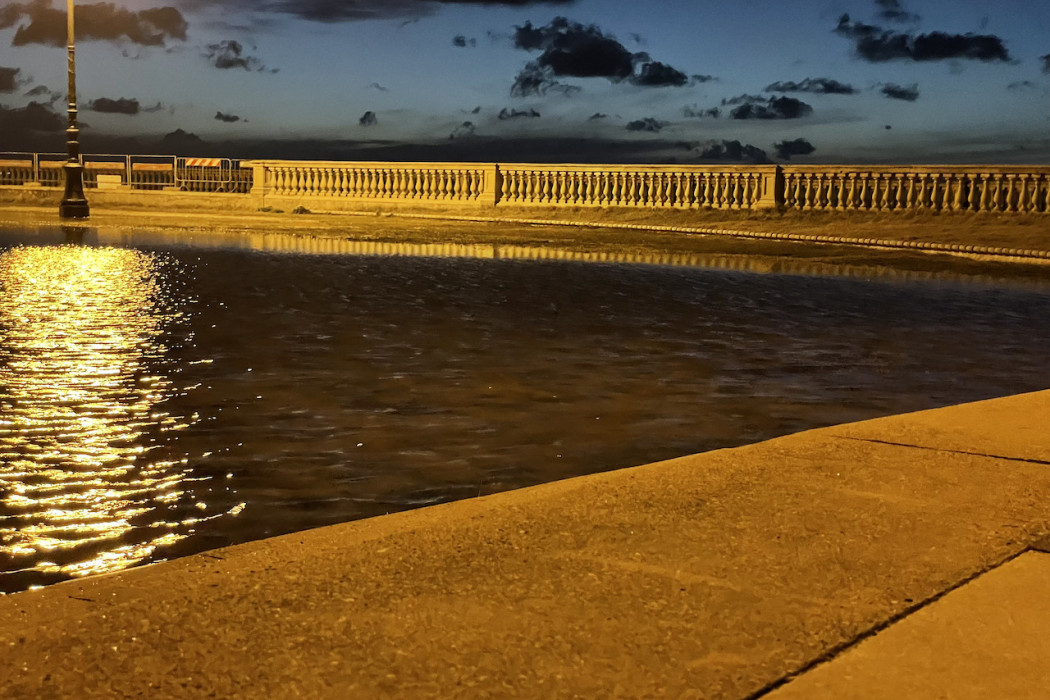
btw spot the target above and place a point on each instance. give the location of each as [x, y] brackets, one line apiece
[710, 576]
[986, 639]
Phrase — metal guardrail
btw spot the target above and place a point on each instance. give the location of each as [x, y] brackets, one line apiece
[137, 172]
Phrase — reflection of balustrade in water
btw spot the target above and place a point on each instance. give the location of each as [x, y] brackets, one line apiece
[953, 189]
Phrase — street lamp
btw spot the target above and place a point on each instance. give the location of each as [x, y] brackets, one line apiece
[74, 204]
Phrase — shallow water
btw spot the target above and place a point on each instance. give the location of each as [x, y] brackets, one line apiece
[158, 399]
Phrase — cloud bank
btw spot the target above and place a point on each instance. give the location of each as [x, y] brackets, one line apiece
[876, 45]
[39, 23]
[572, 49]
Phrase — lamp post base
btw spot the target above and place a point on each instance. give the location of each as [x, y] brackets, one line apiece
[74, 209]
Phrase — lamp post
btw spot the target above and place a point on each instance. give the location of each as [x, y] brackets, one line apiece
[74, 204]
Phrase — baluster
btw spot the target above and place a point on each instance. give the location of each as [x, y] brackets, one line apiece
[1013, 197]
[372, 185]
[518, 185]
[922, 199]
[736, 192]
[796, 191]
[1031, 188]
[974, 192]
[951, 192]
[986, 192]
[997, 201]
[507, 187]
[692, 189]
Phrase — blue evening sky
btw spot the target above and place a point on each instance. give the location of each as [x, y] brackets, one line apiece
[898, 81]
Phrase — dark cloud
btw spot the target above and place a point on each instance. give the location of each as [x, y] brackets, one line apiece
[229, 53]
[572, 49]
[1046, 62]
[647, 124]
[797, 147]
[52, 96]
[657, 74]
[596, 116]
[9, 81]
[464, 130]
[463, 42]
[334, 11]
[377, 87]
[32, 117]
[733, 151]
[505, 114]
[750, 107]
[368, 119]
[39, 23]
[893, 11]
[534, 80]
[121, 105]
[1021, 85]
[694, 112]
[576, 50]
[695, 79]
[908, 93]
[875, 44]
[183, 143]
[820, 86]
[228, 118]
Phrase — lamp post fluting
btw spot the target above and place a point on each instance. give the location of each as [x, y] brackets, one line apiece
[74, 204]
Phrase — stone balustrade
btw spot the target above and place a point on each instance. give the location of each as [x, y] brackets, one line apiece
[345, 185]
[936, 188]
[682, 187]
[445, 182]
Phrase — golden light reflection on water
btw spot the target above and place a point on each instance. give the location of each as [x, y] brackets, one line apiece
[82, 488]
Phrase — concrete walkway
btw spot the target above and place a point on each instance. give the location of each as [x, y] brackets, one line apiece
[720, 575]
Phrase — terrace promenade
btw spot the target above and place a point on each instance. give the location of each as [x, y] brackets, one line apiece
[891, 558]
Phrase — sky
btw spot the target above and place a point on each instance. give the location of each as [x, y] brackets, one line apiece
[618, 81]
